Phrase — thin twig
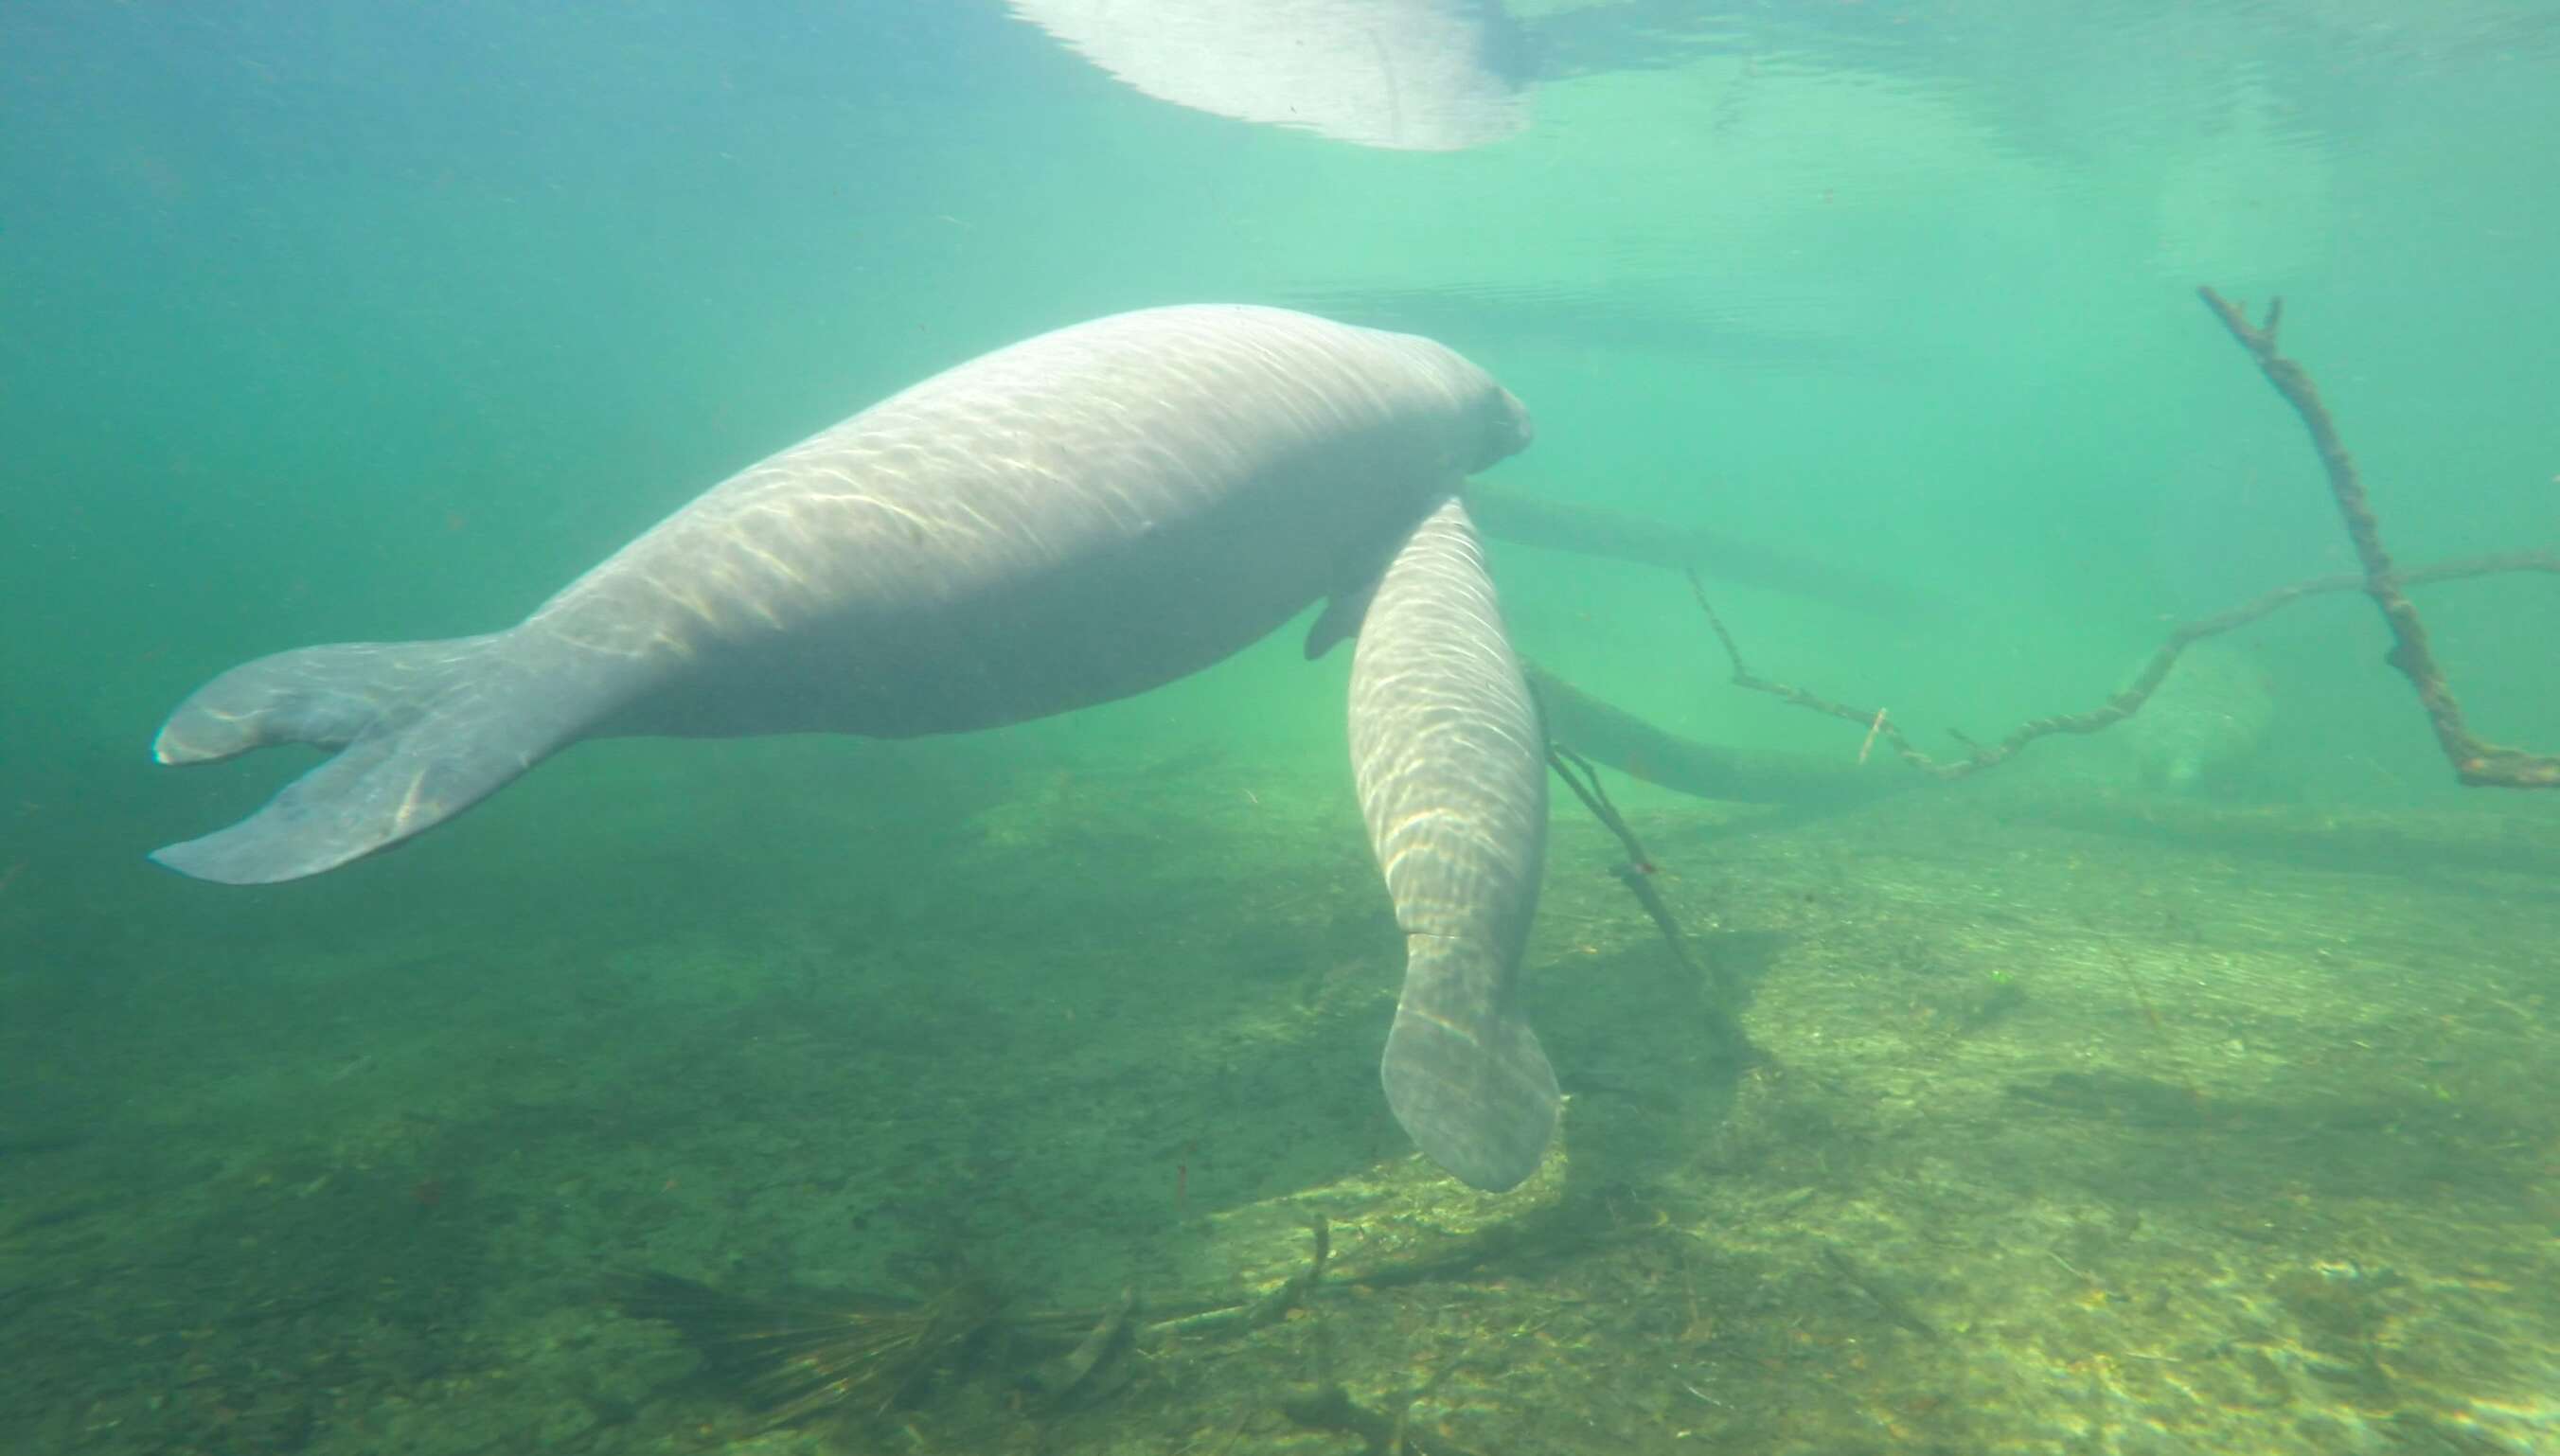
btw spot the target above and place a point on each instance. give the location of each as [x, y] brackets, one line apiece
[2155, 671]
[2476, 761]
[1637, 873]
[1577, 774]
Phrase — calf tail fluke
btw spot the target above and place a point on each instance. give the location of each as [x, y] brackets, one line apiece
[1464, 1074]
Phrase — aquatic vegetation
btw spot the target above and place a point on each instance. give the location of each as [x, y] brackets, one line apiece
[861, 1355]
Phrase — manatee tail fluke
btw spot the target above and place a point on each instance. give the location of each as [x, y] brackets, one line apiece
[1464, 1072]
[421, 731]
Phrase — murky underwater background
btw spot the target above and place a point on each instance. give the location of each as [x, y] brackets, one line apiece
[2182, 1088]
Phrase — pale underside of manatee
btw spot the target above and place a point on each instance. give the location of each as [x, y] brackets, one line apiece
[1406, 75]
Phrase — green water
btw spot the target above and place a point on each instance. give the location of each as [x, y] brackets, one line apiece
[383, 322]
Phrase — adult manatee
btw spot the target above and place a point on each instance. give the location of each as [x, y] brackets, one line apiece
[1073, 519]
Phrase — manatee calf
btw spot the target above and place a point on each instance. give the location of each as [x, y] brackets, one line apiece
[1451, 763]
[1073, 519]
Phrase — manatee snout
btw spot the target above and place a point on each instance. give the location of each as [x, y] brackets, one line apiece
[1507, 429]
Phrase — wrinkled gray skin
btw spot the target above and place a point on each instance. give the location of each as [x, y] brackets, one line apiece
[1451, 763]
[1077, 518]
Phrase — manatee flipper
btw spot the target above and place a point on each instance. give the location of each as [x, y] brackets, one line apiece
[1451, 764]
[421, 730]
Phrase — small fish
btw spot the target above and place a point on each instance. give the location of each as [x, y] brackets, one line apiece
[1886, 1299]
[1071, 1376]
